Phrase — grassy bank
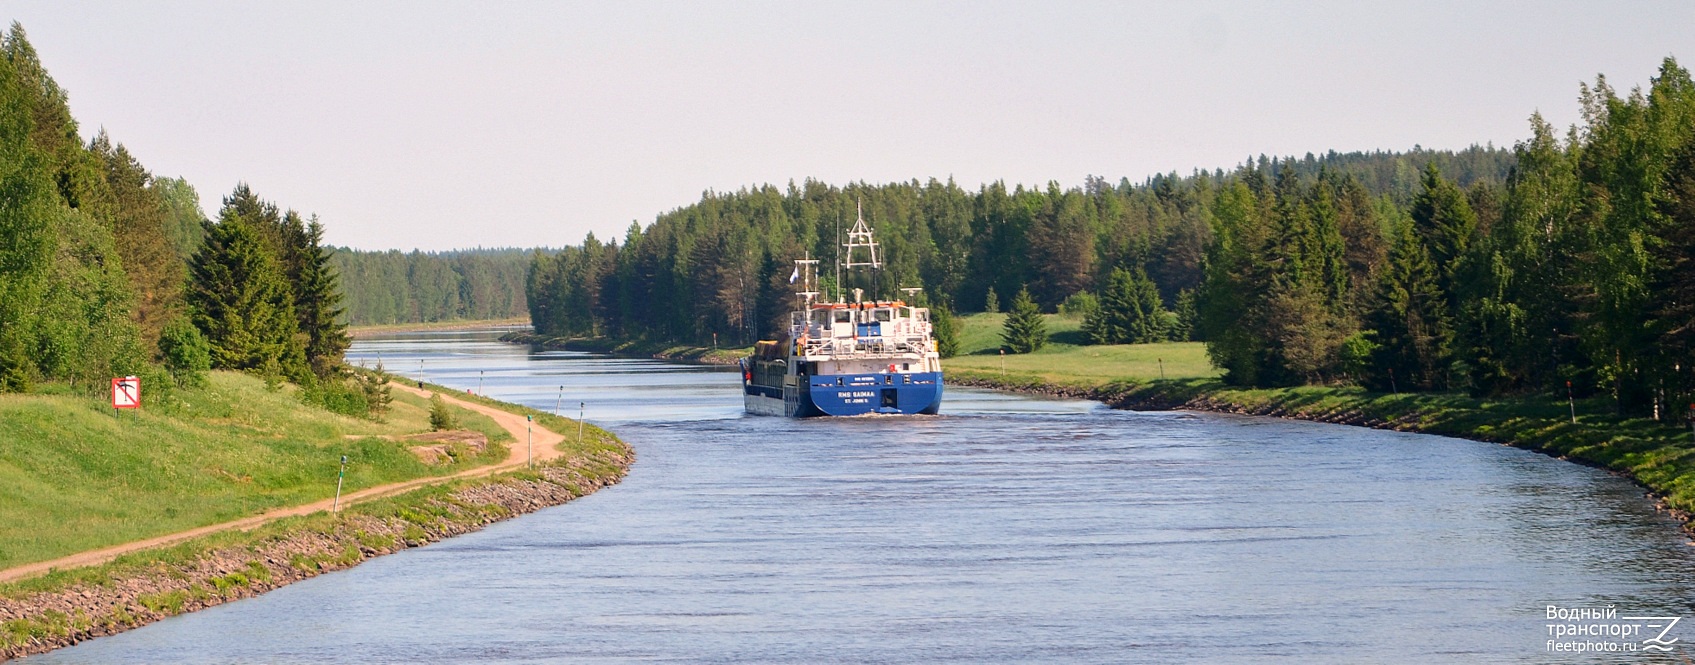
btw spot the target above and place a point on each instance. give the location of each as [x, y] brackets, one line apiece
[79, 477]
[1659, 455]
[634, 348]
[64, 607]
[383, 328]
[1065, 361]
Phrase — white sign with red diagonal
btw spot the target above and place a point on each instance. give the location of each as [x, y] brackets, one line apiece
[126, 393]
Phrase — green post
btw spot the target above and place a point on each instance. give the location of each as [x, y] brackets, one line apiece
[581, 407]
[336, 505]
[529, 442]
[1161, 368]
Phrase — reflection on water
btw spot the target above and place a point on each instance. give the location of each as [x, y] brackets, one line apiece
[1008, 529]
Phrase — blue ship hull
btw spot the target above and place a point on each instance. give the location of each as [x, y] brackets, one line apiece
[849, 395]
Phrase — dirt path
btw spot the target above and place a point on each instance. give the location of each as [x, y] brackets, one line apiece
[546, 448]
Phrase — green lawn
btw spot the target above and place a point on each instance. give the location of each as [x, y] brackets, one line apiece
[76, 477]
[1066, 361]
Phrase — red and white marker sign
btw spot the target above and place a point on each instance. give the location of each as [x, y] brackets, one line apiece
[126, 393]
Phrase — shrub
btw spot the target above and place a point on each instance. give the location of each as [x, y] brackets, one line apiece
[186, 352]
[440, 417]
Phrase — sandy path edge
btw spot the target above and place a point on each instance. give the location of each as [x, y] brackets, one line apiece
[546, 447]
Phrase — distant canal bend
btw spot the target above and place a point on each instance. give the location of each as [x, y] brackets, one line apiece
[1008, 529]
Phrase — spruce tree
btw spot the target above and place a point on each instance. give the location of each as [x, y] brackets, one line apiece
[1024, 331]
[991, 302]
[1413, 329]
[1674, 276]
[241, 302]
[317, 302]
[1443, 218]
[946, 329]
[1130, 311]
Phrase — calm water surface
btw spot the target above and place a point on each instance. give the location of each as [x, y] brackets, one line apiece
[1010, 529]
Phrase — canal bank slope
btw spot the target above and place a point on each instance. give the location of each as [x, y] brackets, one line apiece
[210, 566]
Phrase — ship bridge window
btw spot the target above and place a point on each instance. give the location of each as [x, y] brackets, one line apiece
[844, 316]
[880, 314]
[821, 317]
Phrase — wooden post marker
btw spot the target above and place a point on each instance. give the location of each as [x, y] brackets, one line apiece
[1571, 402]
[336, 504]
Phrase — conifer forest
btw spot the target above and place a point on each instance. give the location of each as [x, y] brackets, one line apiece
[1568, 257]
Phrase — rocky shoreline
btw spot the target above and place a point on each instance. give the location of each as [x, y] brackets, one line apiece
[40, 621]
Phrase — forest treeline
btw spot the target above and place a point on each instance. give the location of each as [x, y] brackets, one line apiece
[107, 270]
[411, 287]
[1565, 258]
[721, 266]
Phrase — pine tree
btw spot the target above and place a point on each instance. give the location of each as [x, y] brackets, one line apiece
[991, 302]
[1024, 331]
[240, 300]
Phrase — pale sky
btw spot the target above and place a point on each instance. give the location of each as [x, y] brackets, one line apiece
[445, 125]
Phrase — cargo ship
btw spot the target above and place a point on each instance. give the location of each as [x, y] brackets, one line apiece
[846, 358]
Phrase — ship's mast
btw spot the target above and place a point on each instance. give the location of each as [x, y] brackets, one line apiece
[806, 270]
[859, 237]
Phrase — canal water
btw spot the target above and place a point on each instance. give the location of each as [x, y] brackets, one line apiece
[1009, 529]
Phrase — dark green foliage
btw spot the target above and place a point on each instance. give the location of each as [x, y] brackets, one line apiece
[1411, 321]
[404, 287]
[441, 418]
[1130, 311]
[1186, 314]
[185, 351]
[717, 268]
[240, 299]
[1025, 331]
[1673, 280]
[1443, 218]
[946, 330]
[317, 302]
